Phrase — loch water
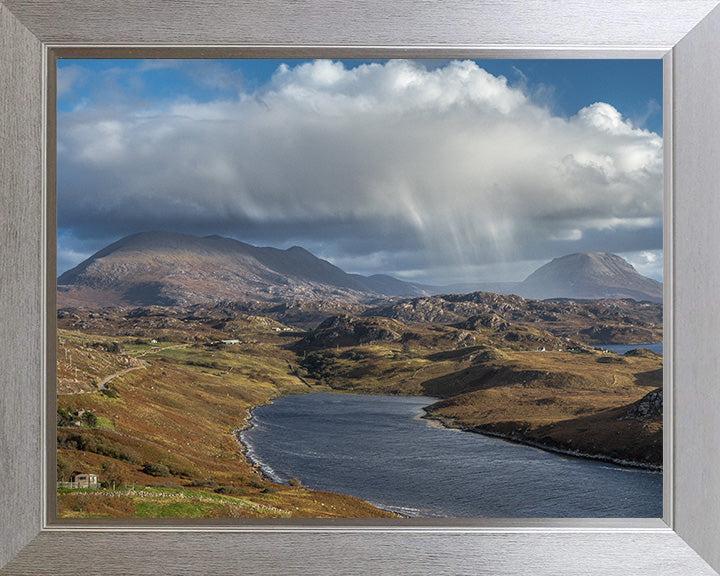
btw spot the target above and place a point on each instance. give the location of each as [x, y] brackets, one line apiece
[656, 347]
[379, 448]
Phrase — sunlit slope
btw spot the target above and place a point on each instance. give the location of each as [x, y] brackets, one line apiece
[168, 430]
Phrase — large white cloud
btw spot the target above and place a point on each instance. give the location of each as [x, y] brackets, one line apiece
[392, 164]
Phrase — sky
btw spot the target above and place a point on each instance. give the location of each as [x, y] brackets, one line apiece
[432, 171]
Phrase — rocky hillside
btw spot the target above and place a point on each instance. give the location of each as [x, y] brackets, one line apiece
[162, 268]
[345, 330]
[590, 321]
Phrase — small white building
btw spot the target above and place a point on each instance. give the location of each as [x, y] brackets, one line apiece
[230, 341]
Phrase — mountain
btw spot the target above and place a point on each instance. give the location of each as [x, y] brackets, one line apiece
[590, 275]
[581, 276]
[166, 268]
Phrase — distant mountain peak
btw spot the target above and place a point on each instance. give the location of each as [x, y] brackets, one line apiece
[589, 275]
[300, 251]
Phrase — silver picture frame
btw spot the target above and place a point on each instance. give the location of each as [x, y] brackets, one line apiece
[682, 32]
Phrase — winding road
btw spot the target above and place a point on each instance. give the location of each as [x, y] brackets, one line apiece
[103, 384]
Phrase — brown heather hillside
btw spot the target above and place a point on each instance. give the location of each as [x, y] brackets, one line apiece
[165, 423]
[578, 404]
[180, 410]
[83, 364]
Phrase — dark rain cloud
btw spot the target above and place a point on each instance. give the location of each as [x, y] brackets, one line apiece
[391, 168]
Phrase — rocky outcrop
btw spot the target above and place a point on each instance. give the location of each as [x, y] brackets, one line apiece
[589, 321]
[345, 330]
[649, 407]
[490, 320]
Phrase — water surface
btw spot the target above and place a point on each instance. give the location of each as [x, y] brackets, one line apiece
[657, 347]
[379, 449]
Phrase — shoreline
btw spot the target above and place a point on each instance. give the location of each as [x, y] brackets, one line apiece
[237, 436]
[244, 450]
[442, 422]
[450, 424]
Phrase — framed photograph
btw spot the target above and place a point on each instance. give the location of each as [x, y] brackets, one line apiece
[36, 541]
[290, 258]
